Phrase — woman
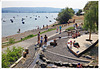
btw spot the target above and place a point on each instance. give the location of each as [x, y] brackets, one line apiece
[45, 40]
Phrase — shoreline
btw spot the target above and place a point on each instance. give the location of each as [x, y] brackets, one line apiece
[35, 31]
[26, 33]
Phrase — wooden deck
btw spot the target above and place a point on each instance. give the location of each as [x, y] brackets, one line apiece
[84, 45]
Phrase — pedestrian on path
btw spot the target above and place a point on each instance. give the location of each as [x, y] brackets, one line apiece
[60, 29]
[45, 39]
[57, 29]
[41, 40]
[39, 37]
[47, 26]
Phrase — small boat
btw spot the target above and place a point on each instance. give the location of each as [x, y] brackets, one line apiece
[54, 18]
[14, 17]
[11, 20]
[23, 19]
[50, 21]
[23, 22]
[35, 18]
[30, 17]
[4, 21]
[46, 17]
[38, 16]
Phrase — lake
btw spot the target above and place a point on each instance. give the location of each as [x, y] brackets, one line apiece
[12, 22]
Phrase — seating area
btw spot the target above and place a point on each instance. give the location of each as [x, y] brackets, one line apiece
[82, 43]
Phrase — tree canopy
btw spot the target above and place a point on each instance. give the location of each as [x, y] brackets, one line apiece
[91, 16]
[65, 15]
[79, 11]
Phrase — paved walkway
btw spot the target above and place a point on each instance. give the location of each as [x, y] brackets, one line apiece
[32, 41]
[61, 52]
[30, 58]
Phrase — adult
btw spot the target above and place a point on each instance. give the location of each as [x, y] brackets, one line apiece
[74, 21]
[39, 37]
[41, 42]
[45, 39]
[19, 30]
[47, 26]
[43, 26]
[75, 44]
[76, 26]
[60, 29]
[57, 29]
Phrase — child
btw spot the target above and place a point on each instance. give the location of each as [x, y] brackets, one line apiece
[41, 40]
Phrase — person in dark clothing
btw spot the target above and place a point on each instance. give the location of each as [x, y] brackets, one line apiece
[45, 40]
[39, 37]
[75, 44]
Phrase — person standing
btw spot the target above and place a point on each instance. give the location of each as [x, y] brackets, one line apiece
[74, 21]
[41, 40]
[43, 26]
[57, 29]
[45, 40]
[47, 26]
[75, 26]
[60, 29]
[39, 37]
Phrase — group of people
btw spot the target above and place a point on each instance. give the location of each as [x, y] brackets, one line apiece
[59, 29]
[42, 40]
[46, 27]
[76, 34]
[75, 44]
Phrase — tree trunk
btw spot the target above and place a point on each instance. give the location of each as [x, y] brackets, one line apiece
[90, 35]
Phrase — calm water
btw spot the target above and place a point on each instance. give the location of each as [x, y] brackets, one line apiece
[9, 28]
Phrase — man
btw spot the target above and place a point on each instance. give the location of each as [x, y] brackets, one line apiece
[39, 37]
[60, 29]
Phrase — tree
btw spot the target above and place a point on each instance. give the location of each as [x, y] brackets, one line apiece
[65, 15]
[95, 5]
[91, 19]
[79, 11]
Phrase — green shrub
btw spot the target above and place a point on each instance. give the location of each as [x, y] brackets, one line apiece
[11, 40]
[11, 56]
[70, 28]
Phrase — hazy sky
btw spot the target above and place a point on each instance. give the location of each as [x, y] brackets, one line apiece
[46, 3]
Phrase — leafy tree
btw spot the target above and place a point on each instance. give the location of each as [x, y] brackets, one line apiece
[91, 19]
[79, 11]
[95, 5]
[65, 15]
